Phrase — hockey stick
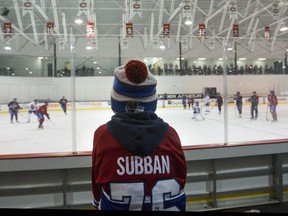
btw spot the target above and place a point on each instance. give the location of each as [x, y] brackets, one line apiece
[51, 121]
[195, 117]
[207, 113]
[201, 116]
[22, 115]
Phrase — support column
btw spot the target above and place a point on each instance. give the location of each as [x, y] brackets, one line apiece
[119, 53]
[73, 94]
[55, 61]
[225, 94]
[180, 57]
[235, 58]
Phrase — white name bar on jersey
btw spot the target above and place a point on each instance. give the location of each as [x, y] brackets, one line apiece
[136, 165]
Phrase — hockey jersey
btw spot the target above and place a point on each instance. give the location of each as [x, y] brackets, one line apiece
[138, 164]
[32, 106]
[42, 110]
[254, 100]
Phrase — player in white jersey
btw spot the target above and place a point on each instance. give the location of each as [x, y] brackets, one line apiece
[197, 110]
[207, 103]
[32, 108]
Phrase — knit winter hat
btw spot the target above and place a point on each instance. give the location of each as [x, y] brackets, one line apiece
[133, 83]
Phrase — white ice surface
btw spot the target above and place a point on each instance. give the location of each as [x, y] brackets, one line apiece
[26, 138]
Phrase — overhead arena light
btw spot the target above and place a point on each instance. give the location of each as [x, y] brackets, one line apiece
[162, 46]
[7, 48]
[283, 27]
[188, 20]
[78, 20]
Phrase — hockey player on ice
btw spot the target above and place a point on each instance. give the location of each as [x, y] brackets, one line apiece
[13, 110]
[254, 100]
[41, 112]
[219, 102]
[239, 104]
[207, 103]
[63, 102]
[190, 101]
[32, 108]
[184, 101]
[197, 110]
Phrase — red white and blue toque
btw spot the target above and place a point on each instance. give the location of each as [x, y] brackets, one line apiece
[133, 83]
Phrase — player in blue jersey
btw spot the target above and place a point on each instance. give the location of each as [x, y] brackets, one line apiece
[219, 102]
[184, 101]
[239, 103]
[63, 103]
[254, 100]
[14, 108]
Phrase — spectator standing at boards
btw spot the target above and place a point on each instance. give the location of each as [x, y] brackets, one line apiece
[137, 154]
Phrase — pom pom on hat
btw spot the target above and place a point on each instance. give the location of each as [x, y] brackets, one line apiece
[133, 83]
[136, 71]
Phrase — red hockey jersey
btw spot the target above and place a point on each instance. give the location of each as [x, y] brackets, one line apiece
[138, 164]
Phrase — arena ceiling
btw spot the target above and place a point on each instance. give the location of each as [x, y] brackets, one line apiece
[109, 17]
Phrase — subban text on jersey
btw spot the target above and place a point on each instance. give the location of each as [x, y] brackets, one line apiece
[136, 165]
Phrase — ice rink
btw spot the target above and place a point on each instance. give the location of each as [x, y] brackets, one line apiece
[26, 138]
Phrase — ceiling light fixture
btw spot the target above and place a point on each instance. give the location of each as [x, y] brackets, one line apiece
[162, 46]
[284, 27]
[78, 20]
[188, 20]
[7, 48]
